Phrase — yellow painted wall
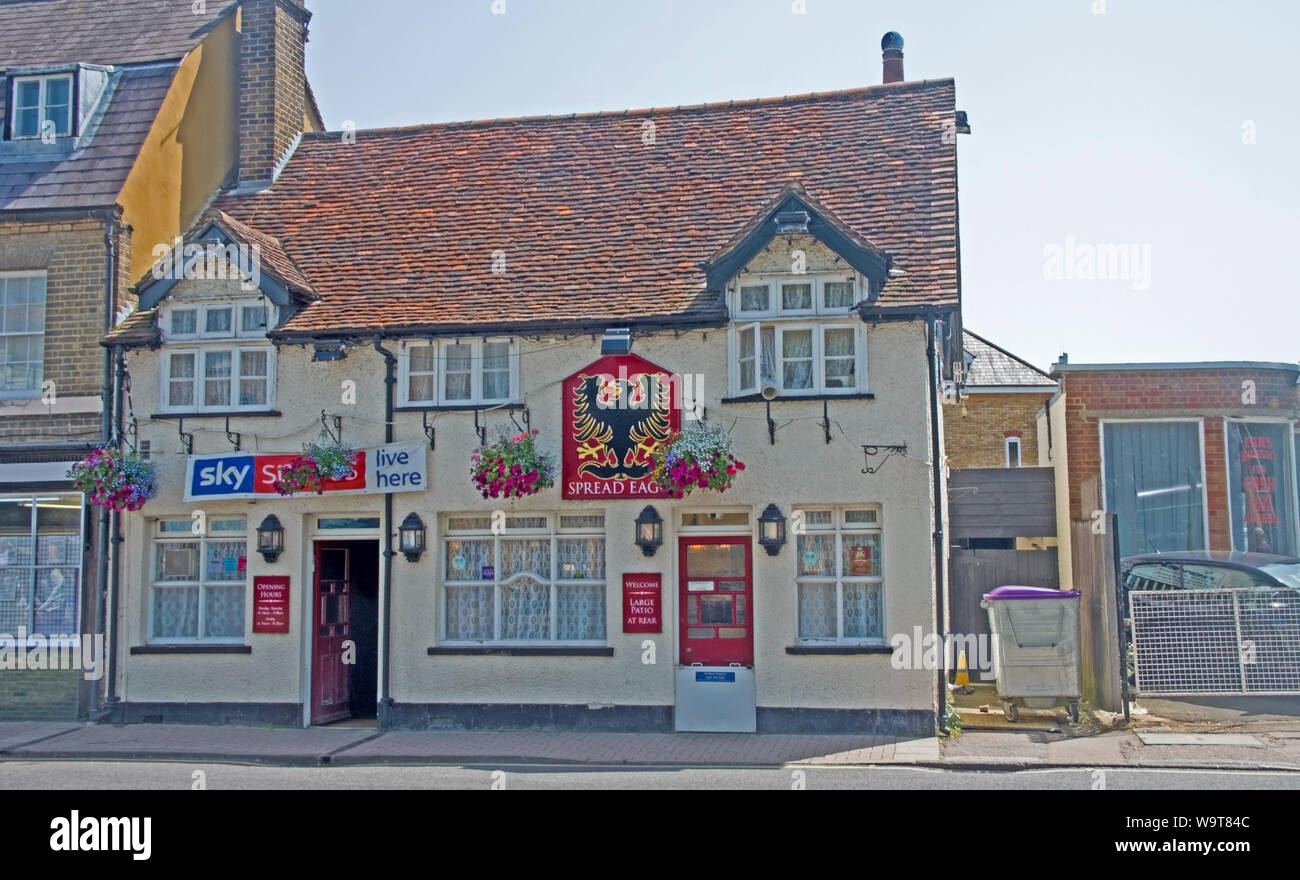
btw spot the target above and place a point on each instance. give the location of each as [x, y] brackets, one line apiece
[190, 150]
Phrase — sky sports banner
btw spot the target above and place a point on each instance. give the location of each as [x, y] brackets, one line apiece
[400, 467]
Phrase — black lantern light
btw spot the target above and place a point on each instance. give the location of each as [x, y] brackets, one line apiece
[649, 530]
[270, 538]
[771, 529]
[411, 537]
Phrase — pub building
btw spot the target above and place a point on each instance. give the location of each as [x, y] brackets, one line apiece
[779, 273]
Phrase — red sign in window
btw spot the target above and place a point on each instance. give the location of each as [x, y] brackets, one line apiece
[271, 604]
[642, 603]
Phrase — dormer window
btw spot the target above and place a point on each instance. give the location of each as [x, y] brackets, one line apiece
[796, 335]
[42, 106]
[217, 358]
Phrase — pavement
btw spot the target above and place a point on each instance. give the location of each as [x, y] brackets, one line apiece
[1099, 741]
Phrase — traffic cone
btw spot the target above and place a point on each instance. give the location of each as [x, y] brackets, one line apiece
[963, 671]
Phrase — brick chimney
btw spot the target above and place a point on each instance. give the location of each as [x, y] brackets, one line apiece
[272, 84]
[891, 45]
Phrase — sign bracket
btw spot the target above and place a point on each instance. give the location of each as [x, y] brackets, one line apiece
[187, 440]
[826, 420]
[771, 425]
[874, 449]
[481, 429]
[428, 430]
[233, 439]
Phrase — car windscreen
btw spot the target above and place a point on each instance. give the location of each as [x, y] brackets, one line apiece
[1287, 574]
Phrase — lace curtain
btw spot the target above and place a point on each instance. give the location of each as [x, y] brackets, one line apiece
[175, 612]
[469, 613]
[223, 612]
[796, 357]
[816, 611]
[526, 610]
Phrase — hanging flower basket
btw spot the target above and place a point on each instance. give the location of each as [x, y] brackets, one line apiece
[319, 462]
[696, 458]
[511, 468]
[113, 479]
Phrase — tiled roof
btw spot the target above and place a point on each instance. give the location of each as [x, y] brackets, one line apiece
[995, 366]
[593, 222]
[34, 32]
[140, 328]
[273, 256]
[35, 177]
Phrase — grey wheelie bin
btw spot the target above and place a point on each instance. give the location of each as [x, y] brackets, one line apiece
[1035, 647]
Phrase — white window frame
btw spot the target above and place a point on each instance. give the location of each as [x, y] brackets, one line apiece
[818, 328]
[42, 104]
[35, 390]
[1020, 450]
[186, 536]
[439, 374]
[839, 527]
[555, 531]
[775, 307]
[201, 310]
[201, 351]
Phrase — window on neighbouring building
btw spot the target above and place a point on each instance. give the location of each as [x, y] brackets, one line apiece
[1262, 486]
[542, 580]
[38, 100]
[22, 333]
[459, 372]
[1013, 452]
[1155, 485]
[796, 335]
[838, 575]
[40, 564]
[198, 581]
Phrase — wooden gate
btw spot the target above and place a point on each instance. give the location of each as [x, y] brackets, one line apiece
[976, 572]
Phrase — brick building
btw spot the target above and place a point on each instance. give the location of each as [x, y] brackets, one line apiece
[994, 425]
[1189, 456]
[121, 121]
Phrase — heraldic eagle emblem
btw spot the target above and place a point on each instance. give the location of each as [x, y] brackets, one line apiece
[618, 421]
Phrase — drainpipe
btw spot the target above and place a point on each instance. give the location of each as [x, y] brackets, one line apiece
[106, 436]
[115, 528]
[390, 383]
[933, 339]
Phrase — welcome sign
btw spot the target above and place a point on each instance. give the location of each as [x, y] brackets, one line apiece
[400, 467]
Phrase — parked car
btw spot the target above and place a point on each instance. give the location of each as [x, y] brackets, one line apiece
[1267, 612]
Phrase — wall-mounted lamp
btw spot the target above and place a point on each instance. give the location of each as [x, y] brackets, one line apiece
[649, 530]
[270, 538]
[411, 537]
[771, 529]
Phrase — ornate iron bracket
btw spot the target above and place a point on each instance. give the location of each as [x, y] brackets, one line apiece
[428, 429]
[874, 449]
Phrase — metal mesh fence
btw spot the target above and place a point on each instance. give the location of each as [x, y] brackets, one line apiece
[1215, 641]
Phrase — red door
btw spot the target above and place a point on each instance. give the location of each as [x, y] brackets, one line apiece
[330, 675]
[716, 611]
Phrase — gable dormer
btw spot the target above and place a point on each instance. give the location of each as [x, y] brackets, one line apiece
[53, 104]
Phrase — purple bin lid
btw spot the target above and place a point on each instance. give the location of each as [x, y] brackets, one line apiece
[1031, 593]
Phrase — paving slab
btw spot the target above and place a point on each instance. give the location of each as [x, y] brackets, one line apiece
[217, 742]
[1153, 738]
[18, 733]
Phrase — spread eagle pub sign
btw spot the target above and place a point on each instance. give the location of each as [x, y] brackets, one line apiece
[617, 410]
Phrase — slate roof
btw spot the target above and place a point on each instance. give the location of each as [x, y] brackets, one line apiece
[33, 176]
[595, 224]
[105, 32]
[995, 366]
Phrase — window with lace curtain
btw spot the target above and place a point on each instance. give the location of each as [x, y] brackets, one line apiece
[198, 581]
[838, 579]
[542, 579]
[798, 335]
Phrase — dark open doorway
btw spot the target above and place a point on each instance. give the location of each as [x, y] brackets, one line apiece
[346, 610]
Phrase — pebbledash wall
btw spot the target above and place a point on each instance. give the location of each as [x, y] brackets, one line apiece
[268, 680]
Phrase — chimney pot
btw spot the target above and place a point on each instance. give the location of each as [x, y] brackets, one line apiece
[891, 45]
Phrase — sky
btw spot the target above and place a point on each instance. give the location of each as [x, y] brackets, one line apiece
[1161, 137]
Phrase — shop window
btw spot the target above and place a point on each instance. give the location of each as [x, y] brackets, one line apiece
[458, 373]
[1155, 484]
[1261, 486]
[40, 564]
[541, 580]
[198, 581]
[22, 334]
[838, 576]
